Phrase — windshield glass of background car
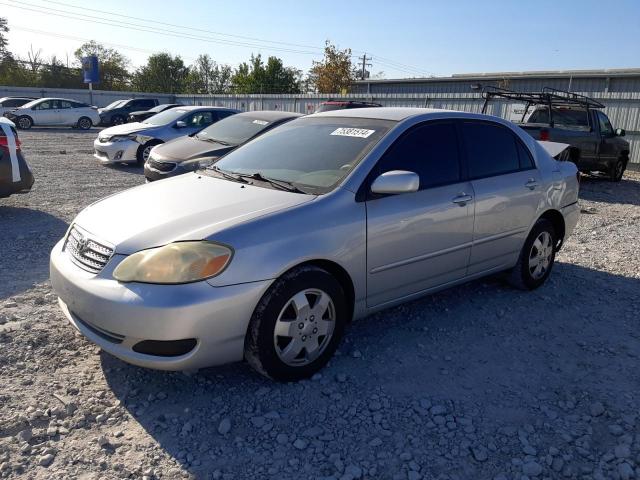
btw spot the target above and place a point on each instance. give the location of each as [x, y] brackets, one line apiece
[561, 116]
[233, 130]
[115, 104]
[166, 117]
[313, 153]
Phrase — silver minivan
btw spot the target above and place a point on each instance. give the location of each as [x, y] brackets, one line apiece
[270, 252]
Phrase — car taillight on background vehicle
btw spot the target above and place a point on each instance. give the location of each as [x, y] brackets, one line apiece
[5, 143]
[544, 135]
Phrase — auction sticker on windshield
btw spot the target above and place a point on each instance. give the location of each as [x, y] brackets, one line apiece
[353, 132]
[261, 122]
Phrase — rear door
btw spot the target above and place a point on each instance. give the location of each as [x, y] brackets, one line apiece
[508, 190]
[67, 115]
[419, 240]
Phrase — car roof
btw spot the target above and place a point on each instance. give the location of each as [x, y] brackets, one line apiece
[202, 107]
[381, 113]
[59, 98]
[17, 98]
[270, 115]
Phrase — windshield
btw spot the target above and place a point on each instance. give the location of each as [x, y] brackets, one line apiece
[166, 117]
[32, 103]
[561, 116]
[314, 154]
[233, 130]
[160, 108]
[115, 104]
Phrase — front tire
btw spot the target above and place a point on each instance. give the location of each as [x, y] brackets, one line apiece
[84, 123]
[25, 122]
[536, 257]
[117, 120]
[142, 155]
[297, 325]
[617, 170]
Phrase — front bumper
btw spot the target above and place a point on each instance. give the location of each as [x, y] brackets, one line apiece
[116, 316]
[115, 152]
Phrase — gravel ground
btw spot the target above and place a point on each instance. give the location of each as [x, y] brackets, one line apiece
[478, 382]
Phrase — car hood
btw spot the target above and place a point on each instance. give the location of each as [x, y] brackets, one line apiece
[187, 148]
[126, 129]
[187, 207]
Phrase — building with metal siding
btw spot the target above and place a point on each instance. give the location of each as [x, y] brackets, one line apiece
[617, 89]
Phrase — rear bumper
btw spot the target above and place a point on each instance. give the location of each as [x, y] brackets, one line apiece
[117, 316]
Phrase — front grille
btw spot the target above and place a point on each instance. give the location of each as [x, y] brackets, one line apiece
[102, 154]
[161, 166]
[87, 252]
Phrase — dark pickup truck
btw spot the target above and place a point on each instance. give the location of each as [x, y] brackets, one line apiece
[576, 120]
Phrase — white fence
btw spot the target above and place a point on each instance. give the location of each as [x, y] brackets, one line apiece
[622, 108]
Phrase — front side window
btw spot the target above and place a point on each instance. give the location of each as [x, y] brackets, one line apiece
[199, 119]
[314, 154]
[430, 150]
[64, 104]
[605, 125]
[490, 149]
[46, 105]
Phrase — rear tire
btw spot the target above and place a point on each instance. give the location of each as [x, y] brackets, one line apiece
[536, 257]
[84, 123]
[297, 325]
[24, 122]
[617, 170]
[142, 155]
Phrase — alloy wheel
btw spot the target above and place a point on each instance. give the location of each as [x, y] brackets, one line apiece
[540, 255]
[304, 327]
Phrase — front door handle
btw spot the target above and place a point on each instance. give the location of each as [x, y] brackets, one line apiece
[462, 199]
[531, 184]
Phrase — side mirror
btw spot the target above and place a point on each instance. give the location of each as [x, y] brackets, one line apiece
[395, 182]
[620, 132]
[181, 124]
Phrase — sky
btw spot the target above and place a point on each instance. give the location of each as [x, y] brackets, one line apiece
[403, 38]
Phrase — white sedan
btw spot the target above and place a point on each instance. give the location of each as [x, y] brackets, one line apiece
[54, 112]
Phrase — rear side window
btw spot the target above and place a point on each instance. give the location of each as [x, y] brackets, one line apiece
[524, 157]
[491, 149]
[224, 114]
[430, 150]
[144, 103]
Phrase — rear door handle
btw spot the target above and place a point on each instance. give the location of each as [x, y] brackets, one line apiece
[462, 199]
[531, 184]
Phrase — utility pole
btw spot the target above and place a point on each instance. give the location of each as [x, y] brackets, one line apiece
[363, 73]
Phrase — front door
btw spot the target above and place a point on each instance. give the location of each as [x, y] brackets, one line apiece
[607, 150]
[46, 113]
[419, 240]
[508, 190]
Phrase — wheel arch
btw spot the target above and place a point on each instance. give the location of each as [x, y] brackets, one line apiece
[25, 116]
[557, 220]
[339, 273]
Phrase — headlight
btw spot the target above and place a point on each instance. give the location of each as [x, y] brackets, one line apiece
[142, 139]
[121, 138]
[179, 262]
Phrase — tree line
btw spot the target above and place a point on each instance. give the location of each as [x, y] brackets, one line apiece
[166, 73]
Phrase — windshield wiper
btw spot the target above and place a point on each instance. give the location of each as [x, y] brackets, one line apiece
[229, 175]
[213, 140]
[282, 184]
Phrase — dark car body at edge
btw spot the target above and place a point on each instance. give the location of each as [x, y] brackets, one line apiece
[141, 115]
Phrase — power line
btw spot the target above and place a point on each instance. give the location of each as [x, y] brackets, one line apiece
[149, 29]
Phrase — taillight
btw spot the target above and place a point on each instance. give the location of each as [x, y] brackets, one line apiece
[544, 135]
[5, 143]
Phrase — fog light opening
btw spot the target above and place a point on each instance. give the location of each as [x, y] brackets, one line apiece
[163, 348]
[118, 155]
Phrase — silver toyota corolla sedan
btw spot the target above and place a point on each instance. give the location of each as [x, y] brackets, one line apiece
[268, 254]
